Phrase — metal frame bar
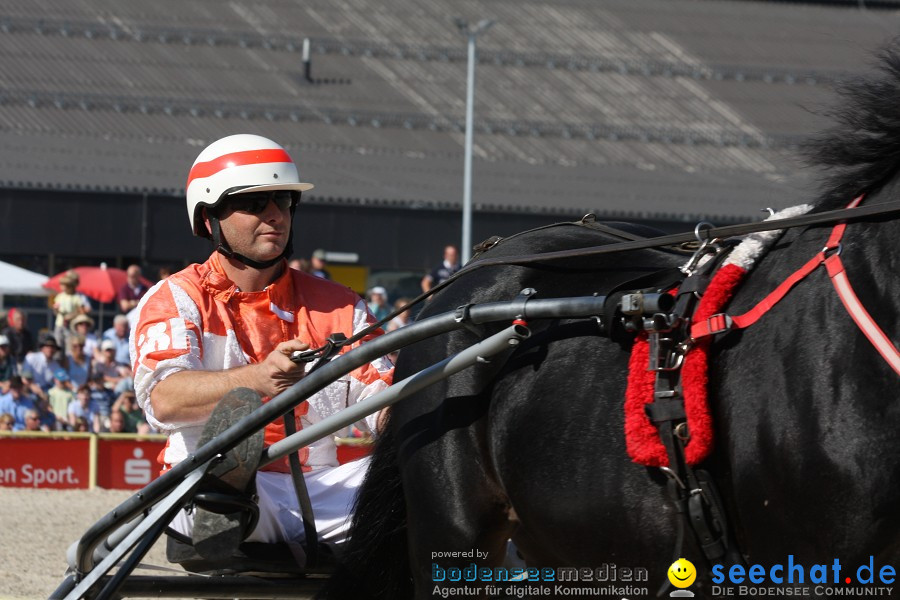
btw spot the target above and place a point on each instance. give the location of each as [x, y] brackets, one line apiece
[175, 488]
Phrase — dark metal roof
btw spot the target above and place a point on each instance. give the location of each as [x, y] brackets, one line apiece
[633, 108]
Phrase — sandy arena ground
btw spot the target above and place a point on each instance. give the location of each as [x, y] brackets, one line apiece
[36, 528]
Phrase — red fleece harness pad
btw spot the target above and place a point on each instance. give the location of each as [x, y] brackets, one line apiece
[641, 437]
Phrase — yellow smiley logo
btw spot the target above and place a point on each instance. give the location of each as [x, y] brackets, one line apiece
[682, 573]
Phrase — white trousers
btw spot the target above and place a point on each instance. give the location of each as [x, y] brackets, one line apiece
[332, 491]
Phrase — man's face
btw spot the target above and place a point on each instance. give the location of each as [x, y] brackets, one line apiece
[32, 422]
[116, 422]
[450, 255]
[121, 328]
[257, 225]
[4, 351]
[133, 273]
[48, 350]
[129, 401]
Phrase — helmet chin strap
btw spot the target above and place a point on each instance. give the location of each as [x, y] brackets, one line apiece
[222, 247]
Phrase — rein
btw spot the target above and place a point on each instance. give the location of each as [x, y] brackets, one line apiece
[822, 218]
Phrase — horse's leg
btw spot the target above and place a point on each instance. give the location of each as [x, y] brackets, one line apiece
[457, 515]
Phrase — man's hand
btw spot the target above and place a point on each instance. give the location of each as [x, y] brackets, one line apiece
[189, 396]
[278, 372]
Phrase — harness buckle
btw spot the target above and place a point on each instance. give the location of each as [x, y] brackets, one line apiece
[828, 251]
[673, 476]
[707, 246]
[715, 324]
[666, 354]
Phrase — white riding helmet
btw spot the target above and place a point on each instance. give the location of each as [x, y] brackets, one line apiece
[238, 164]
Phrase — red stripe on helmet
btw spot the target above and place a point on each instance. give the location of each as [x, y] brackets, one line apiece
[236, 159]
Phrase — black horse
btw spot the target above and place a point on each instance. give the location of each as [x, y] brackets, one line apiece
[531, 448]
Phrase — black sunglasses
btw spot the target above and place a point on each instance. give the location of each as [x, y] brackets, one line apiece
[256, 202]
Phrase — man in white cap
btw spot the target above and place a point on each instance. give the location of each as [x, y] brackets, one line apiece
[378, 302]
[234, 322]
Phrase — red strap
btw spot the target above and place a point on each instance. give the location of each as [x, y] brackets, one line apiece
[705, 328]
[835, 268]
[859, 314]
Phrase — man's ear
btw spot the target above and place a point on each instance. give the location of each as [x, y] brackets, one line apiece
[205, 218]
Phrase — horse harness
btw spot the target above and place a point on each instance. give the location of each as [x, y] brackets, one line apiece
[662, 305]
[671, 335]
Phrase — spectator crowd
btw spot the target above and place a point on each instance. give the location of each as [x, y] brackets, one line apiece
[74, 378]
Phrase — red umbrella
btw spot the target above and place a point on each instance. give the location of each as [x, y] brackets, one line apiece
[100, 283]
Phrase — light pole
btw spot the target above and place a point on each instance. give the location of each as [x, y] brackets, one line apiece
[471, 33]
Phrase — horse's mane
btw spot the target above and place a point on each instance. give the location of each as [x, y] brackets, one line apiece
[861, 153]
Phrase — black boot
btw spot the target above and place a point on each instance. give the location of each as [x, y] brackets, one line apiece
[224, 510]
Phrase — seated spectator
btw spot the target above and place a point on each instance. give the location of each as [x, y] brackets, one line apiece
[83, 325]
[100, 394]
[16, 402]
[118, 334]
[68, 304]
[135, 422]
[60, 396]
[126, 383]
[83, 407]
[378, 303]
[7, 421]
[106, 364]
[32, 420]
[301, 264]
[115, 423]
[401, 320]
[78, 362]
[132, 291]
[30, 386]
[48, 419]
[8, 366]
[317, 264]
[81, 425]
[42, 363]
[21, 342]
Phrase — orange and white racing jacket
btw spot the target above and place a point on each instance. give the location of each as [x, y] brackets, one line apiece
[198, 320]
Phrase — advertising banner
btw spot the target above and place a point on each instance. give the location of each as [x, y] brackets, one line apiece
[45, 462]
[127, 462]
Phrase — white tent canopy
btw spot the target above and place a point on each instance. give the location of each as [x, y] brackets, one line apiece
[16, 281]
